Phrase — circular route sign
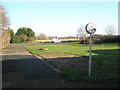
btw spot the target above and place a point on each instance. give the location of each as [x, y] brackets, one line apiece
[90, 28]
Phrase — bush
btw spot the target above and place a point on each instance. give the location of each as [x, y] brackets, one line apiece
[16, 39]
[110, 38]
[23, 37]
[82, 42]
[104, 39]
[97, 42]
[87, 41]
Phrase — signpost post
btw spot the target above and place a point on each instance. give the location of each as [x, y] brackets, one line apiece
[90, 28]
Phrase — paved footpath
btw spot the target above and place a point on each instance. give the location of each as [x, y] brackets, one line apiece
[20, 69]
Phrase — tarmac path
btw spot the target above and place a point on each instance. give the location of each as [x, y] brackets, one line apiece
[20, 69]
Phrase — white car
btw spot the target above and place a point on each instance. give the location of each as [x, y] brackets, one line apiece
[56, 40]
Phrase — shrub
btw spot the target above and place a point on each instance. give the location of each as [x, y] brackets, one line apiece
[23, 37]
[97, 42]
[104, 39]
[16, 39]
[87, 41]
[110, 38]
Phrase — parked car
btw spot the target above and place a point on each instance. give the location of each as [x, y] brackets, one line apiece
[56, 40]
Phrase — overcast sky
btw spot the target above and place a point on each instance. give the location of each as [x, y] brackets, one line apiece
[61, 18]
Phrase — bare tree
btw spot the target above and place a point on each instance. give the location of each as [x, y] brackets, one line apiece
[110, 29]
[81, 33]
[4, 20]
[4, 25]
[42, 36]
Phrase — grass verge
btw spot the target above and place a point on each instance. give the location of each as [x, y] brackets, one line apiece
[105, 54]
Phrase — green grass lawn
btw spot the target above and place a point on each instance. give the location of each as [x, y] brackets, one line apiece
[106, 54]
[77, 49]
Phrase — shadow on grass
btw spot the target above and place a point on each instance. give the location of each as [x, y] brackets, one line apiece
[104, 68]
[108, 60]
